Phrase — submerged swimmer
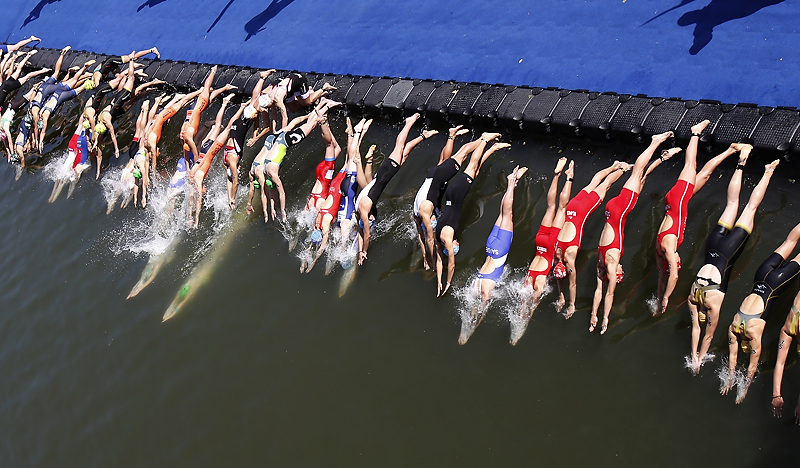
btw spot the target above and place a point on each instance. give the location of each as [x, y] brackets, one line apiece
[428, 202]
[366, 203]
[611, 247]
[571, 234]
[790, 329]
[723, 246]
[497, 246]
[772, 278]
[448, 223]
[546, 236]
[670, 233]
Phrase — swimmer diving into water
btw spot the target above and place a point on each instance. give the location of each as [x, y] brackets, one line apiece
[723, 246]
[772, 278]
[611, 247]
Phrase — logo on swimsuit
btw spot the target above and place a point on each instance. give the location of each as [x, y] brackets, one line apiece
[571, 213]
[714, 254]
[492, 251]
[760, 287]
[541, 250]
[608, 214]
[448, 203]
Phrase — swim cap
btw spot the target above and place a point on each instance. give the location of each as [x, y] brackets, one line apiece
[3, 136]
[269, 183]
[86, 125]
[256, 184]
[361, 223]
[184, 291]
[560, 270]
[88, 85]
[100, 128]
[249, 112]
[137, 174]
[456, 248]
[433, 225]
[620, 274]
[186, 147]
[264, 101]
[316, 236]
[347, 264]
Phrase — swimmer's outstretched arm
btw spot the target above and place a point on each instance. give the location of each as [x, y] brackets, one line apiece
[733, 351]
[784, 342]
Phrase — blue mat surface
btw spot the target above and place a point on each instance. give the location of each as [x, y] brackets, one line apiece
[729, 50]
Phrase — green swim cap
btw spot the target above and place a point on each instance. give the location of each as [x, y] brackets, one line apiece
[88, 85]
[184, 292]
[256, 184]
[87, 125]
[269, 183]
[137, 174]
[100, 128]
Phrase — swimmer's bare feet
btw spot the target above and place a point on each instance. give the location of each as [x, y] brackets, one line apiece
[666, 154]
[604, 327]
[33, 52]
[328, 87]
[625, 166]
[457, 131]
[487, 137]
[570, 170]
[413, 118]
[265, 74]
[90, 63]
[428, 133]
[35, 38]
[699, 127]
[769, 168]
[359, 126]
[370, 151]
[560, 165]
[592, 322]
[499, 146]
[662, 137]
[366, 126]
[65, 50]
[229, 87]
[570, 311]
[214, 69]
[228, 98]
[155, 51]
[740, 146]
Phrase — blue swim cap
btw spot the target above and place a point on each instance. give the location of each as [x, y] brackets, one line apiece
[361, 223]
[316, 236]
[456, 248]
[347, 264]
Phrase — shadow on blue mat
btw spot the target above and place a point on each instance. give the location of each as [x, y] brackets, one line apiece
[256, 25]
[712, 15]
[219, 17]
[149, 3]
[36, 11]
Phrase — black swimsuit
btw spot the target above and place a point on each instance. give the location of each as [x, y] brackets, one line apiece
[385, 173]
[443, 173]
[454, 200]
[11, 84]
[723, 247]
[772, 278]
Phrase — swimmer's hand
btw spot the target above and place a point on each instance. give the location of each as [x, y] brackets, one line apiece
[777, 406]
[251, 141]
[361, 257]
[797, 414]
[116, 153]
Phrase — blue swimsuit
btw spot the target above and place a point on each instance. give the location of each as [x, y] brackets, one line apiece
[497, 247]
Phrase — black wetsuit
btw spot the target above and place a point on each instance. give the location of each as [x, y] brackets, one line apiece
[239, 132]
[18, 103]
[723, 247]
[97, 94]
[9, 85]
[108, 67]
[385, 173]
[454, 199]
[443, 173]
[118, 103]
[772, 278]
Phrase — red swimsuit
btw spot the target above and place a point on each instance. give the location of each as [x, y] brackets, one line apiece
[324, 175]
[546, 239]
[677, 204]
[578, 209]
[617, 210]
[336, 194]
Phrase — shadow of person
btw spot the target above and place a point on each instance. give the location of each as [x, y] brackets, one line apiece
[716, 13]
[256, 25]
[149, 3]
[36, 11]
